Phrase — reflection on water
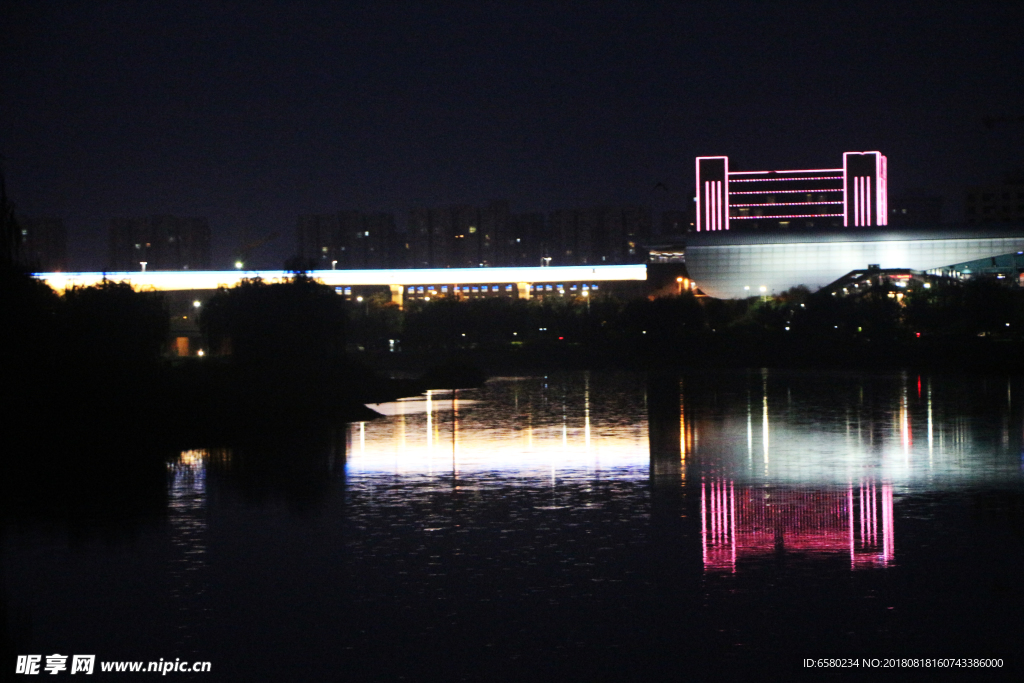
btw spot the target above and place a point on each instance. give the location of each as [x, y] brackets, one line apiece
[516, 427]
[795, 464]
[748, 522]
[579, 526]
[186, 517]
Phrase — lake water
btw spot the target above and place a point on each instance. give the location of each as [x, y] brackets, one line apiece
[569, 527]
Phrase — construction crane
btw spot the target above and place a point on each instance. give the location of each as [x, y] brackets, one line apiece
[242, 253]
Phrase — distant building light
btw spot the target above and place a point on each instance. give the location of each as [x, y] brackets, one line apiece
[197, 303]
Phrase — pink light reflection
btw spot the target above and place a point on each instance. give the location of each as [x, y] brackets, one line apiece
[741, 522]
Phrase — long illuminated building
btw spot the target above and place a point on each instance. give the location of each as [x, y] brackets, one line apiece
[188, 280]
[853, 196]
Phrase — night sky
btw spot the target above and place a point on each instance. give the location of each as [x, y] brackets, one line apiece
[251, 113]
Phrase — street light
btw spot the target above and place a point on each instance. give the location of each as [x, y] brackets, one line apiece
[143, 264]
[333, 264]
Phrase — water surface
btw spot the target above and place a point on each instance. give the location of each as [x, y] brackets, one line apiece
[571, 527]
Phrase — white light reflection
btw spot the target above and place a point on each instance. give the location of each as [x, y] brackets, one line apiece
[186, 517]
[581, 434]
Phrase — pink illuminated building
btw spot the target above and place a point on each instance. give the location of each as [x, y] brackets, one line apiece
[853, 196]
[747, 522]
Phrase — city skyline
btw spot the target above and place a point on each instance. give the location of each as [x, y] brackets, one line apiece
[252, 118]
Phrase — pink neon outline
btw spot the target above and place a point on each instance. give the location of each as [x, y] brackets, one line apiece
[810, 170]
[853, 203]
[725, 193]
[861, 208]
[718, 205]
[707, 198]
[705, 208]
[864, 208]
[798, 215]
[712, 224]
[714, 206]
[867, 200]
[716, 201]
[856, 202]
[696, 175]
[856, 216]
[784, 204]
[783, 191]
[786, 180]
[882, 179]
[846, 193]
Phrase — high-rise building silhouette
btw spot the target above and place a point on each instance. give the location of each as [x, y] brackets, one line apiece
[349, 240]
[43, 244]
[159, 242]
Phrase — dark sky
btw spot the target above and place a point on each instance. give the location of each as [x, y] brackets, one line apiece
[252, 113]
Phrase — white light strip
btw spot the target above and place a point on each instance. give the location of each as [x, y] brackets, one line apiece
[186, 280]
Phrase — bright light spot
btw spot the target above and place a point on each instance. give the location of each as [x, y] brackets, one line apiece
[359, 298]
[763, 288]
[679, 279]
[787, 329]
[239, 265]
[927, 285]
[201, 353]
[197, 304]
[586, 293]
